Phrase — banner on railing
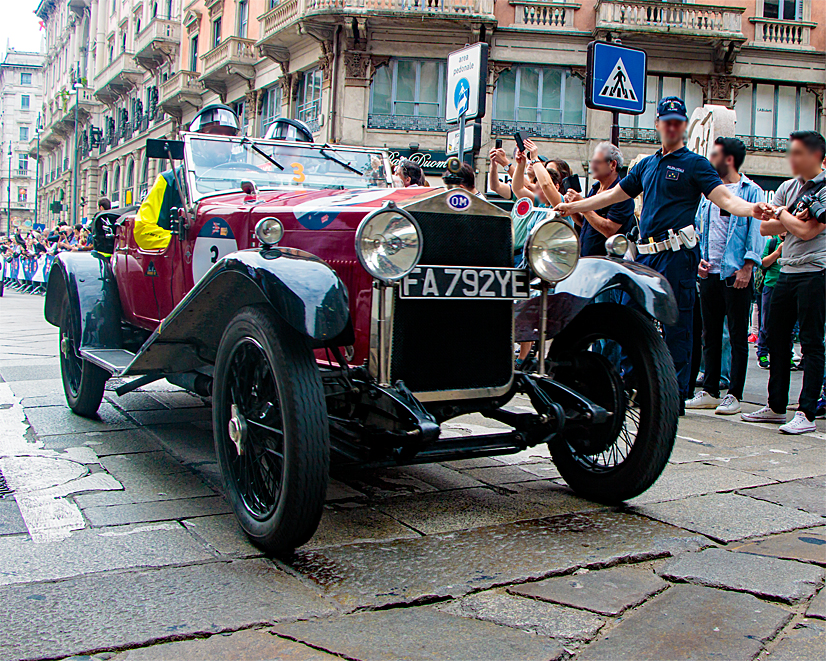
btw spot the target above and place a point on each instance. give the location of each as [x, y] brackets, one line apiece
[28, 269]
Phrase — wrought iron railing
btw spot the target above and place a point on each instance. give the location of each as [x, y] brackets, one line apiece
[631, 134]
[760, 143]
[538, 129]
[405, 122]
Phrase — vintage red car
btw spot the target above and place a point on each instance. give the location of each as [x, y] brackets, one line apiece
[329, 314]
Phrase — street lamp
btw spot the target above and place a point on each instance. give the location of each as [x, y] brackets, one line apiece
[78, 85]
[37, 167]
[8, 200]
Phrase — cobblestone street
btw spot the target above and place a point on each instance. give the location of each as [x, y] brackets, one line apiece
[116, 542]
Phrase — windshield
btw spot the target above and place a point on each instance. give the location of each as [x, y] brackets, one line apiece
[217, 163]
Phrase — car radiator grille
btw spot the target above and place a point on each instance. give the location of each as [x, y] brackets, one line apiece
[456, 345]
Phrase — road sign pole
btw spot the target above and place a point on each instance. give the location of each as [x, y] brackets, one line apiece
[462, 138]
[615, 133]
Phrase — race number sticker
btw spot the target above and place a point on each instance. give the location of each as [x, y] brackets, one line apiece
[215, 240]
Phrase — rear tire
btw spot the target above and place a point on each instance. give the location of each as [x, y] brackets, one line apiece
[83, 382]
[638, 441]
[271, 429]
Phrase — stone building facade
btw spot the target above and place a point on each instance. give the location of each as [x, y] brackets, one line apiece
[372, 72]
[21, 89]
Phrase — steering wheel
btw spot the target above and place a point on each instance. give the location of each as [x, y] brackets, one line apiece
[232, 165]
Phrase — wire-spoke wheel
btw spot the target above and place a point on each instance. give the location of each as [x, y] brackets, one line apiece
[83, 382]
[270, 428]
[614, 356]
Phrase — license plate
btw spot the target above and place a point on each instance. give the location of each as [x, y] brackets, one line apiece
[449, 282]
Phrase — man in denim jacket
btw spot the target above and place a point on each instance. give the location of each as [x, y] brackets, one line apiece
[730, 248]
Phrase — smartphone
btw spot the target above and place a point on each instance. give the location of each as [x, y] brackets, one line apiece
[498, 143]
[520, 142]
[572, 183]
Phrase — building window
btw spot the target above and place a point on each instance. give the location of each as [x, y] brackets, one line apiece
[216, 32]
[104, 183]
[766, 114]
[272, 3]
[309, 98]
[22, 194]
[784, 10]
[123, 42]
[129, 182]
[111, 49]
[25, 100]
[116, 184]
[271, 107]
[23, 163]
[25, 79]
[243, 18]
[240, 110]
[408, 94]
[24, 134]
[542, 101]
[640, 128]
[193, 53]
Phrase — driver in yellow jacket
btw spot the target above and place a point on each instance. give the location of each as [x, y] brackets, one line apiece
[152, 224]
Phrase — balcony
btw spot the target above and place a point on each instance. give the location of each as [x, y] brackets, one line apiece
[632, 134]
[771, 33]
[544, 15]
[539, 129]
[19, 172]
[232, 58]
[181, 91]
[118, 78]
[157, 43]
[406, 123]
[78, 6]
[279, 26]
[760, 143]
[698, 23]
[64, 116]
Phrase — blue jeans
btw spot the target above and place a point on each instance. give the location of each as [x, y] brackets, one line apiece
[765, 306]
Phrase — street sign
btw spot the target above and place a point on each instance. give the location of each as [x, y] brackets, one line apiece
[616, 78]
[467, 72]
[473, 139]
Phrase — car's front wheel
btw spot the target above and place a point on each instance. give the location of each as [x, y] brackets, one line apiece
[83, 382]
[614, 356]
[271, 430]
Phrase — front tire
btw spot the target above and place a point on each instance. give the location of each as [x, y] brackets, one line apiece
[83, 382]
[615, 356]
[271, 429]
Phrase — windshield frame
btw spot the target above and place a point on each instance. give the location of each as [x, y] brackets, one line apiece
[334, 150]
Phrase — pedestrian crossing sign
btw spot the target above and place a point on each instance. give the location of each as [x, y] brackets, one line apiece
[616, 78]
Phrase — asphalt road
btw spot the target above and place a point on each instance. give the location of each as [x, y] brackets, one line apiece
[116, 543]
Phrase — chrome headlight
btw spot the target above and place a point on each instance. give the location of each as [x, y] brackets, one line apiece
[389, 243]
[616, 245]
[269, 231]
[553, 250]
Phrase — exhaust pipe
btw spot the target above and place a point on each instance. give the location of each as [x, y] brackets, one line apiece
[200, 384]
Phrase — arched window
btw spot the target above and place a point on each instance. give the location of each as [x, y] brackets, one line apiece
[104, 182]
[129, 183]
[116, 184]
[143, 182]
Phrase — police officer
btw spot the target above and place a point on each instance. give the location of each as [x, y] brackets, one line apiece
[671, 182]
[152, 231]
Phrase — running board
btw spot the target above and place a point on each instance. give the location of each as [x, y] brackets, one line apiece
[114, 361]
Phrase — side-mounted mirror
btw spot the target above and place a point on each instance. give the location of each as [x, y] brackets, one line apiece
[173, 149]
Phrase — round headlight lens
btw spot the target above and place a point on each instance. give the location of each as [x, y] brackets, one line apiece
[616, 245]
[553, 250]
[389, 244]
[269, 231]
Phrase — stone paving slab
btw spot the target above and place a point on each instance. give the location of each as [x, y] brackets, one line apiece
[733, 434]
[772, 578]
[52, 420]
[806, 642]
[504, 474]
[27, 372]
[454, 564]
[135, 401]
[223, 534]
[382, 483]
[172, 416]
[420, 634]
[142, 464]
[567, 625]
[728, 517]
[163, 510]
[342, 524]
[817, 606]
[606, 591]
[440, 476]
[247, 645]
[804, 494]
[98, 550]
[11, 522]
[149, 488]
[691, 622]
[37, 388]
[105, 443]
[136, 607]
[52, 399]
[805, 545]
[781, 467]
[682, 481]
[337, 491]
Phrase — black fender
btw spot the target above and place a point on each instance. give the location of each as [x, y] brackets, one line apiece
[84, 283]
[648, 289]
[302, 289]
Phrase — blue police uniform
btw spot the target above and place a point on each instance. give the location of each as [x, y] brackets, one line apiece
[672, 186]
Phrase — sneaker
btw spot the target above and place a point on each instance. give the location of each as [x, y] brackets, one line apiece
[752, 338]
[702, 400]
[799, 424]
[763, 362]
[729, 406]
[763, 415]
[820, 411]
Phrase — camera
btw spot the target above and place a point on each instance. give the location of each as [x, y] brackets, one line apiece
[817, 209]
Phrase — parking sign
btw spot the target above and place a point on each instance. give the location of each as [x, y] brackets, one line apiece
[616, 78]
[467, 71]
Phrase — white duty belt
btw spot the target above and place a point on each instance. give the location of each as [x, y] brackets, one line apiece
[684, 238]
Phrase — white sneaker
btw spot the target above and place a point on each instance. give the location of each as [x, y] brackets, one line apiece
[799, 424]
[763, 415]
[702, 400]
[729, 406]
